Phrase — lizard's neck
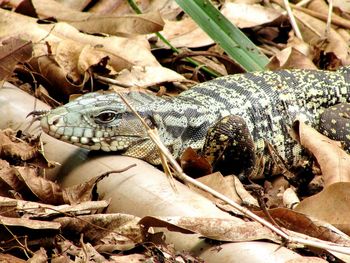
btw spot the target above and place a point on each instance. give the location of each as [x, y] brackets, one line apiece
[181, 123]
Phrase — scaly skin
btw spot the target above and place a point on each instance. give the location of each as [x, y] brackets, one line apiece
[268, 102]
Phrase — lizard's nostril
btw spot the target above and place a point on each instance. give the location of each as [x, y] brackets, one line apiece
[54, 120]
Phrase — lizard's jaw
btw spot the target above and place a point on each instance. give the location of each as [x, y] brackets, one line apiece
[86, 137]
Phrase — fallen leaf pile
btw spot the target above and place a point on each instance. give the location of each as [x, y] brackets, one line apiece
[58, 49]
[38, 213]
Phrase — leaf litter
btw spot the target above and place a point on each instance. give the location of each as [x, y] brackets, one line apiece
[55, 63]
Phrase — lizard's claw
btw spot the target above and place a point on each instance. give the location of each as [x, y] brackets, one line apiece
[37, 114]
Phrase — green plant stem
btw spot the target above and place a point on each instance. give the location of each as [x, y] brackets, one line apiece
[137, 10]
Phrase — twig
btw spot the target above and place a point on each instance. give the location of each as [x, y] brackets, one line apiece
[336, 20]
[303, 2]
[329, 18]
[153, 134]
[292, 19]
[112, 81]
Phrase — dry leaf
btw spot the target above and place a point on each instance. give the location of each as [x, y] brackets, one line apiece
[29, 223]
[13, 147]
[47, 191]
[122, 26]
[214, 228]
[96, 227]
[331, 205]
[334, 161]
[290, 58]
[314, 32]
[184, 33]
[88, 253]
[248, 15]
[66, 55]
[9, 179]
[343, 5]
[193, 164]
[217, 182]
[37, 210]
[39, 256]
[96, 23]
[130, 258]
[7, 258]
[148, 76]
[298, 222]
[123, 52]
[53, 76]
[13, 51]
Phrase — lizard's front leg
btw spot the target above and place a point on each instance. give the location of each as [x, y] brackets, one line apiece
[229, 146]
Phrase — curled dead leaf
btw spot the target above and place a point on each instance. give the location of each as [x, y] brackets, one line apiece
[334, 161]
[11, 146]
[214, 228]
[335, 208]
[47, 191]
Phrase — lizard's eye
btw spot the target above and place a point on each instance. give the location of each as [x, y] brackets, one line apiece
[105, 117]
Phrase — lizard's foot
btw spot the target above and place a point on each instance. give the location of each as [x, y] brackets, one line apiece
[229, 147]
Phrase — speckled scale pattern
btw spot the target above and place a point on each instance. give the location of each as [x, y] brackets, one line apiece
[268, 102]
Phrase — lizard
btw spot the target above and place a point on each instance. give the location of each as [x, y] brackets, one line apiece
[229, 118]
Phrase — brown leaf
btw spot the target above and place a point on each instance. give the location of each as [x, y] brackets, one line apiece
[8, 258]
[193, 164]
[148, 76]
[47, 191]
[290, 58]
[123, 53]
[49, 72]
[11, 146]
[184, 33]
[312, 30]
[130, 258]
[334, 161]
[82, 192]
[29, 223]
[96, 227]
[97, 23]
[331, 205]
[248, 15]
[26, 7]
[37, 210]
[88, 253]
[229, 186]
[66, 54]
[214, 228]
[123, 26]
[77, 61]
[12, 51]
[9, 180]
[39, 256]
[343, 5]
[299, 222]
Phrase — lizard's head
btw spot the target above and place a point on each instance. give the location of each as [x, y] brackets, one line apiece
[97, 122]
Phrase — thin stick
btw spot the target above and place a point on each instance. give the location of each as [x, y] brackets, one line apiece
[329, 18]
[292, 19]
[112, 81]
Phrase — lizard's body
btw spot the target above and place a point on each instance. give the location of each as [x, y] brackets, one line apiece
[267, 101]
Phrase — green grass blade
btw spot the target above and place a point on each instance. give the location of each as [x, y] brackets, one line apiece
[223, 32]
